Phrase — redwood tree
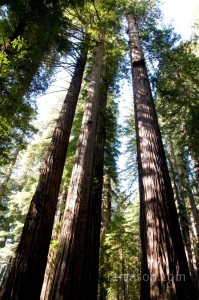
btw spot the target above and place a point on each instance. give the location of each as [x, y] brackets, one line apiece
[70, 255]
[164, 268]
[89, 282]
[26, 276]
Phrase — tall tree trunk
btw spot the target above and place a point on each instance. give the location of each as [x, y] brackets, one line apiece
[89, 284]
[26, 276]
[163, 256]
[70, 256]
[106, 218]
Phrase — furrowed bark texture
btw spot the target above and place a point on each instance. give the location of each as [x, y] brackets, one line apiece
[70, 258]
[26, 276]
[89, 284]
[163, 256]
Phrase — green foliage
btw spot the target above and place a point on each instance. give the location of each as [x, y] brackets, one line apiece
[139, 7]
[121, 251]
[129, 173]
[112, 142]
[16, 203]
[34, 36]
[17, 192]
[177, 86]
[26, 65]
[173, 72]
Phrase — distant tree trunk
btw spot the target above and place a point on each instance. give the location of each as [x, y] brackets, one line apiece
[194, 212]
[106, 218]
[163, 256]
[5, 270]
[106, 204]
[196, 168]
[89, 284]
[26, 276]
[192, 201]
[50, 267]
[70, 257]
[123, 272]
[183, 215]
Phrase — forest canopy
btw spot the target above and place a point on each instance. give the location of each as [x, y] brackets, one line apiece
[100, 200]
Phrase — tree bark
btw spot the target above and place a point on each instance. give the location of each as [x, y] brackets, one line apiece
[89, 283]
[70, 257]
[163, 256]
[106, 218]
[26, 276]
[50, 267]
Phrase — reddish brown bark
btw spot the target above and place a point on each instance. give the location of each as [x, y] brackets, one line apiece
[70, 257]
[163, 255]
[89, 286]
[26, 276]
